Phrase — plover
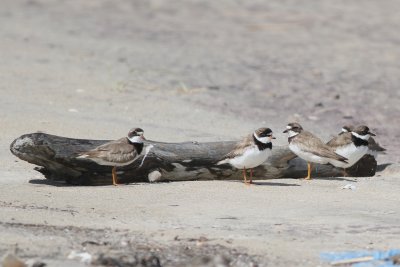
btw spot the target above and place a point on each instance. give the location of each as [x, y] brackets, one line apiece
[373, 147]
[116, 153]
[309, 147]
[352, 145]
[252, 151]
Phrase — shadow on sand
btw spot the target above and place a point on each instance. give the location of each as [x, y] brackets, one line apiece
[383, 167]
[49, 182]
[265, 183]
[348, 179]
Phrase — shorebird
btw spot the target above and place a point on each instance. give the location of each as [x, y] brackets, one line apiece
[250, 152]
[116, 153]
[353, 145]
[309, 147]
[374, 149]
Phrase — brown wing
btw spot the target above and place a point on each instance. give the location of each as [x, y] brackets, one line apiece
[340, 140]
[114, 151]
[240, 147]
[311, 143]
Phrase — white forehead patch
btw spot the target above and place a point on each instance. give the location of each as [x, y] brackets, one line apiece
[364, 137]
[288, 127]
[344, 130]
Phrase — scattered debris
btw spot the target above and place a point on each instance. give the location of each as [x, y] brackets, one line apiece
[228, 218]
[209, 261]
[35, 263]
[213, 87]
[396, 259]
[362, 258]
[349, 186]
[83, 257]
[89, 242]
[149, 261]
[152, 261]
[183, 89]
[313, 118]
[319, 104]
[124, 243]
[351, 261]
[110, 261]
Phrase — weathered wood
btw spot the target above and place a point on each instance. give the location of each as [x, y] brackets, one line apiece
[165, 162]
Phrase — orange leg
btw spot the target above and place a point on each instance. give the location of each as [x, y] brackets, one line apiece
[251, 176]
[114, 176]
[245, 176]
[309, 167]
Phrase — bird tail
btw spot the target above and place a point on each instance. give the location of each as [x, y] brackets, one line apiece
[341, 158]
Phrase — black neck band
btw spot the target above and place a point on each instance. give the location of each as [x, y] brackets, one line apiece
[358, 141]
[138, 146]
[261, 146]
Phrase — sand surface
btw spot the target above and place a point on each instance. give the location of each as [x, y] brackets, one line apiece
[204, 71]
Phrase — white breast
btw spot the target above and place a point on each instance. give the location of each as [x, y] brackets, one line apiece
[251, 158]
[307, 156]
[352, 153]
[373, 153]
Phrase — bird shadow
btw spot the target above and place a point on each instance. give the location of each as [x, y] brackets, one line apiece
[262, 183]
[382, 167]
[273, 184]
[336, 179]
[49, 182]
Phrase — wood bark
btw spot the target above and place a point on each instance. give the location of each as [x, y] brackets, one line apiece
[56, 157]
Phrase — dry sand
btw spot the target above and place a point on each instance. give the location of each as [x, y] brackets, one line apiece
[198, 70]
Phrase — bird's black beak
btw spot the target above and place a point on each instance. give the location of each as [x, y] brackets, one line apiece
[272, 137]
[285, 131]
[371, 134]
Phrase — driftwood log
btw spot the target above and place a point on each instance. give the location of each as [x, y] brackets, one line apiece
[165, 162]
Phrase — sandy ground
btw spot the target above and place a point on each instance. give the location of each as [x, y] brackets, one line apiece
[198, 70]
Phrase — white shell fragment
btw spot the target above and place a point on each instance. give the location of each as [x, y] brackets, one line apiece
[349, 186]
[154, 176]
[83, 257]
